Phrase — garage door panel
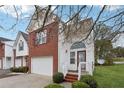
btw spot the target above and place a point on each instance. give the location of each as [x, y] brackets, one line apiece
[8, 64]
[18, 62]
[42, 65]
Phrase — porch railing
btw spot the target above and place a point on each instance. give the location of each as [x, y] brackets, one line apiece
[85, 67]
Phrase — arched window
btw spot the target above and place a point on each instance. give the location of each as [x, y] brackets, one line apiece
[21, 45]
[77, 45]
[81, 55]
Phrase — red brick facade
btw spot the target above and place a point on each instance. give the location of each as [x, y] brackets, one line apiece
[2, 53]
[2, 49]
[50, 48]
[14, 53]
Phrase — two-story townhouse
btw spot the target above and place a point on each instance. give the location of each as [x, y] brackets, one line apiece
[6, 51]
[20, 50]
[49, 53]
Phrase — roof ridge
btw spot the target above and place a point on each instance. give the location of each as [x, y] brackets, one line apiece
[4, 39]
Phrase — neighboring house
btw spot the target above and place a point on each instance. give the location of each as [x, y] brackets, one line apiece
[6, 53]
[49, 53]
[20, 50]
[118, 41]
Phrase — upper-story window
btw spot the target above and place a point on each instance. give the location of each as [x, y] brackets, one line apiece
[21, 45]
[41, 37]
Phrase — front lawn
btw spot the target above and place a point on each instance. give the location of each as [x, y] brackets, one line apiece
[110, 76]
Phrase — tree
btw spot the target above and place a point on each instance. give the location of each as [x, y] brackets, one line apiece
[102, 48]
[118, 52]
[114, 19]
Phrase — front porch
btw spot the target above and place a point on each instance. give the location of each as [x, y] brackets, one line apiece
[73, 75]
[79, 62]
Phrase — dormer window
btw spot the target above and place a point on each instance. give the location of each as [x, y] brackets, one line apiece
[41, 37]
[21, 45]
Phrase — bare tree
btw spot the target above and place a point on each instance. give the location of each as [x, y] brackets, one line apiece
[74, 15]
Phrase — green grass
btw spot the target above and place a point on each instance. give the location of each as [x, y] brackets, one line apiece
[110, 76]
[118, 59]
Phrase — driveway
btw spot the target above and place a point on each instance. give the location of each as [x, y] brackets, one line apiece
[2, 72]
[25, 81]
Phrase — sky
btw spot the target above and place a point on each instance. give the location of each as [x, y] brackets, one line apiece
[8, 18]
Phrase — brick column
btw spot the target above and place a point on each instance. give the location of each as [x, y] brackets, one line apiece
[14, 52]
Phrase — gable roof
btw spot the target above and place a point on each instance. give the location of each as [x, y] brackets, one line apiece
[79, 30]
[4, 39]
[36, 20]
[25, 36]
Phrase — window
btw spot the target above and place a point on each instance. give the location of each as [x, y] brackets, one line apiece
[21, 45]
[41, 37]
[8, 58]
[77, 45]
[72, 57]
[82, 56]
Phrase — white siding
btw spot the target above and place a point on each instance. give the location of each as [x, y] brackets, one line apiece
[9, 48]
[18, 62]
[24, 61]
[64, 55]
[8, 53]
[22, 52]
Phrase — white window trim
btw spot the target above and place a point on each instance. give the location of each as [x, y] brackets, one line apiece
[41, 37]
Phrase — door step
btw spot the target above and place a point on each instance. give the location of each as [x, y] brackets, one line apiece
[71, 77]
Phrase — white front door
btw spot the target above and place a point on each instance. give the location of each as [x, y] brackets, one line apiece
[75, 58]
[81, 57]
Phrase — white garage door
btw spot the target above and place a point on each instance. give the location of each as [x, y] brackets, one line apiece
[18, 62]
[8, 63]
[42, 65]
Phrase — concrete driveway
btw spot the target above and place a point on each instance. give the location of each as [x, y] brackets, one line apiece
[2, 72]
[25, 81]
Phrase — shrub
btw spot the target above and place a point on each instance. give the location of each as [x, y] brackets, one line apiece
[108, 60]
[14, 69]
[78, 84]
[89, 80]
[58, 77]
[11, 69]
[54, 85]
[19, 69]
[25, 69]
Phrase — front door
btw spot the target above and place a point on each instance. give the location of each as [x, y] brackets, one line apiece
[81, 57]
[75, 58]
